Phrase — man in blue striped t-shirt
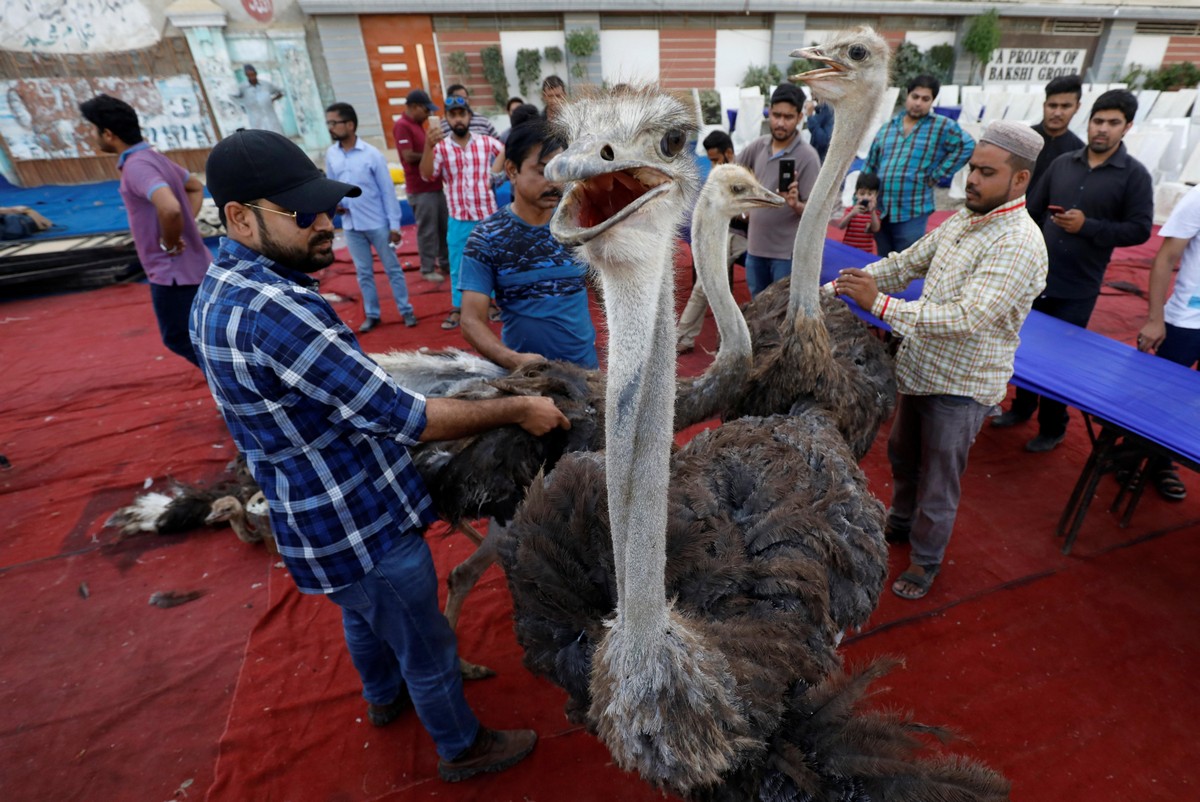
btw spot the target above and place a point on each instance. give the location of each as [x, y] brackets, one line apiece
[326, 433]
[911, 154]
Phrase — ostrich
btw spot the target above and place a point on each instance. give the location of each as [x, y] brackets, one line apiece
[690, 607]
[729, 191]
[805, 352]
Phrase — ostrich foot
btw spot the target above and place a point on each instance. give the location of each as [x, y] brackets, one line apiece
[666, 705]
[464, 576]
[472, 671]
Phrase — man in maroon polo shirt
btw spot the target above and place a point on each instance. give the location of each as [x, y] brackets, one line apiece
[162, 200]
[426, 197]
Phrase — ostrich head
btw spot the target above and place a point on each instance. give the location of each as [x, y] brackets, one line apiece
[224, 509]
[855, 63]
[734, 190]
[628, 171]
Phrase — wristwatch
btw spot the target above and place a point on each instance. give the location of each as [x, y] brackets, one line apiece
[171, 251]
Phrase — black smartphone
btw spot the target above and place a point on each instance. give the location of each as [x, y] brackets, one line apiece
[787, 174]
[863, 202]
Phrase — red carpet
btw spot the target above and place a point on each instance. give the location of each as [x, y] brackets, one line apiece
[1072, 675]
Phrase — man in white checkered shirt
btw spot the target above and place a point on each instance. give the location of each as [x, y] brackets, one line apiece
[982, 268]
[464, 162]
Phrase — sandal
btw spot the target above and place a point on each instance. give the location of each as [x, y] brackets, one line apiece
[921, 581]
[451, 321]
[1169, 485]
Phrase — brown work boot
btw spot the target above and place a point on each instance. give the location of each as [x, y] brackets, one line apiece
[383, 715]
[493, 750]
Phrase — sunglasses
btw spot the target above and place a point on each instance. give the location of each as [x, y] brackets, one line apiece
[456, 102]
[303, 219]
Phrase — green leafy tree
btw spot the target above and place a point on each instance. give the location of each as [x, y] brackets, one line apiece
[493, 73]
[710, 106]
[459, 66]
[554, 55]
[982, 39]
[762, 77]
[529, 68]
[581, 44]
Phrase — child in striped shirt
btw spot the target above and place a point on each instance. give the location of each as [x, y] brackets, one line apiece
[862, 219]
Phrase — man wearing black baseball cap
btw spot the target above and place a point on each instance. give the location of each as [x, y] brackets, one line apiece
[326, 433]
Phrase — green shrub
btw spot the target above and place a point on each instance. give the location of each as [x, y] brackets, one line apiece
[762, 77]
[529, 69]
[493, 73]
[459, 65]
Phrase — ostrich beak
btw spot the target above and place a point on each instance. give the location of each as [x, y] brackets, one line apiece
[600, 190]
[760, 196]
[833, 67]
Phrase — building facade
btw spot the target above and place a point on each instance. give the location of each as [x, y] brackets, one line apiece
[182, 59]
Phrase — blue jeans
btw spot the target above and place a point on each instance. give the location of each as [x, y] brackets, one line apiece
[360, 244]
[397, 636]
[899, 236]
[457, 233]
[173, 307]
[762, 272]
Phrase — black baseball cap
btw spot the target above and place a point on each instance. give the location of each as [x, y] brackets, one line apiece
[418, 97]
[253, 164]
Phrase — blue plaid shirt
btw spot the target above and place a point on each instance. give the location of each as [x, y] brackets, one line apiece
[935, 149]
[324, 429]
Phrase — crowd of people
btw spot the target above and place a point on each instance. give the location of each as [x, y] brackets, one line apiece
[326, 431]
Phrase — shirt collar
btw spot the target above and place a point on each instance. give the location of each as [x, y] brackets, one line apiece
[232, 252]
[796, 140]
[1120, 159]
[139, 146]
[975, 219]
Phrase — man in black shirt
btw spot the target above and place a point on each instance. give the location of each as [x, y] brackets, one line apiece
[1088, 202]
[1062, 101]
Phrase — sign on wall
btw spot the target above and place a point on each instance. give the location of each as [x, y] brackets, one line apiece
[77, 26]
[1031, 65]
[39, 117]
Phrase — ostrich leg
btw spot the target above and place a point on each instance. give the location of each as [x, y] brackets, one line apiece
[463, 578]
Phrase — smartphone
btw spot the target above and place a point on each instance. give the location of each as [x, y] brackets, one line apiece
[1055, 209]
[787, 174]
[862, 202]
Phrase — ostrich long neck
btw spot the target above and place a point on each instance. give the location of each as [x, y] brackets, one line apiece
[810, 236]
[710, 239]
[640, 407]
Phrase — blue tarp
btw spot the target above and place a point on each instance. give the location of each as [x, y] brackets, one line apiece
[1141, 393]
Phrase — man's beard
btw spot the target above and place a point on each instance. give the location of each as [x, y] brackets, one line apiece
[783, 136]
[460, 130]
[298, 258]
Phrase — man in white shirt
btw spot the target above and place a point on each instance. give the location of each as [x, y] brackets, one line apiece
[1172, 328]
[258, 99]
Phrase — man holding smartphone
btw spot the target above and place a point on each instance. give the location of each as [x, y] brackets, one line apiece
[784, 161]
[1088, 202]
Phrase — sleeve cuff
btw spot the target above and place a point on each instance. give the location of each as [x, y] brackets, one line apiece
[156, 188]
[881, 304]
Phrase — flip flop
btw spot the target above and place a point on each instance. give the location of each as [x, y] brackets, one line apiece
[1169, 485]
[923, 582]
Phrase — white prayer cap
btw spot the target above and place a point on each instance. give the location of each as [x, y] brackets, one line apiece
[1015, 137]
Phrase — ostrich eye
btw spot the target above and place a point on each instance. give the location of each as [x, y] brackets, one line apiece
[672, 142]
[738, 189]
[857, 52]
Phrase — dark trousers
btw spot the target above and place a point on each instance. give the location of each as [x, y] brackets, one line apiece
[1052, 415]
[898, 237]
[173, 306]
[931, 436]
[1181, 346]
[432, 215]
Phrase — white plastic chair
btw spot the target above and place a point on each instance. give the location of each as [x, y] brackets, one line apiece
[1147, 100]
[972, 103]
[1022, 107]
[995, 104]
[948, 96]
[882, 114]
